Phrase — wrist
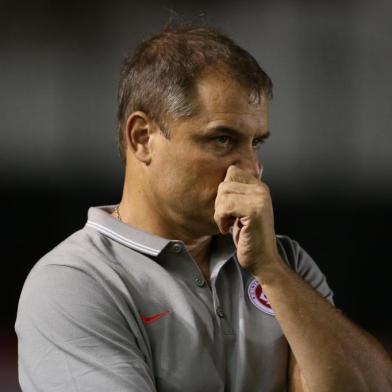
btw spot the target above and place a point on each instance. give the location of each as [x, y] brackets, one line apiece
[272, 272]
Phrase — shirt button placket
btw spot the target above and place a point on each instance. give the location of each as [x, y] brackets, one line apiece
[177, 247]
[199, 281]
[219, 312]
[224, 323]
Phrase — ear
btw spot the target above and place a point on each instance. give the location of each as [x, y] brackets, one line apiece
[139, 129]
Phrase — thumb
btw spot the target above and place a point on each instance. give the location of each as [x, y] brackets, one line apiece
[235, 174]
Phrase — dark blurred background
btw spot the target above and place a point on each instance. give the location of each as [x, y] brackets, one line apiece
[328, 162]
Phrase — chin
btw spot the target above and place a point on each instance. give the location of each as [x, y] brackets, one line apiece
[202, 225]
[212, 228]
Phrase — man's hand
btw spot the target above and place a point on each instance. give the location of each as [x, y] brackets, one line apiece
[244, 202]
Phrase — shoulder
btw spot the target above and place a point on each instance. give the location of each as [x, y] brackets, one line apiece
[53, 292]
[74, 279]
[76, 315]
[84, 256]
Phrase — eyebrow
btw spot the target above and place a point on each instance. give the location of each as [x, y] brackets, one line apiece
[233, 132]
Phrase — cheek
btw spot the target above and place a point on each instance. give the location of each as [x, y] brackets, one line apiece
[182, 173]
[215, 171]
[206, 181]
[173, 178]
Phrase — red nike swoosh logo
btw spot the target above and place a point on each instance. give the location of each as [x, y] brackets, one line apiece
[155, 317]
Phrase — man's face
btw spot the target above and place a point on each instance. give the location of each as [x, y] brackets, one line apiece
[186, 169]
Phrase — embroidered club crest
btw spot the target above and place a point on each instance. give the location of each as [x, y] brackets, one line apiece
[258, 298]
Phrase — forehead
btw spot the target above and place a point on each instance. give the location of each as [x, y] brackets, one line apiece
[220, 98]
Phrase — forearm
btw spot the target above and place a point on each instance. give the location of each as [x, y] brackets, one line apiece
[333, 354]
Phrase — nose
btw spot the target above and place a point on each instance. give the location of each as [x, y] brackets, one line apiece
[250, 164]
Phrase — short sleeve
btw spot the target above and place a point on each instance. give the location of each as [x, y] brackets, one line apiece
[72, 337]
[302, 263]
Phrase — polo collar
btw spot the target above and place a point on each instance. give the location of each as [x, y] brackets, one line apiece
[101, 219]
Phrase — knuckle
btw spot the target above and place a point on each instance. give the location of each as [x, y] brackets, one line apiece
[220, 212]
[263, 190]
[227, 187]
[259, 190]
[257, 207]
[222, 187]
[230, 206]
[266, 188]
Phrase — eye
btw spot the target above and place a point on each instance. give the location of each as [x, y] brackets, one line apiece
[257, 142]
[223, 140]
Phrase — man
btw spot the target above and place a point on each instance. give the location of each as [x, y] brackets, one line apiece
[184, 286]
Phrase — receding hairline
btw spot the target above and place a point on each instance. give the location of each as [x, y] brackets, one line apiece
[192, 51]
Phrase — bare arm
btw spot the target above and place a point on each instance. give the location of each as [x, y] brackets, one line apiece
[333, 353]
[296, 382]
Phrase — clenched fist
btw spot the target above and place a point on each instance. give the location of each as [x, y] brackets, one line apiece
[244, 202]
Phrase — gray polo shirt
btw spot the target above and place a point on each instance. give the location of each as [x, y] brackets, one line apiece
[113, 308]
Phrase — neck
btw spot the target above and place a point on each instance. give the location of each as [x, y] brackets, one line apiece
[135, 210]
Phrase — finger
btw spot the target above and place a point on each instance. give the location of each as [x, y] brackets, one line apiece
[224, 219]
[230, 207]
[235, 174]
[247, 193]
[236, 230]
[225, 225]
[241, 188]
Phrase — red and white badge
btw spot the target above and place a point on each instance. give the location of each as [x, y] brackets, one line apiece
[258, 298]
